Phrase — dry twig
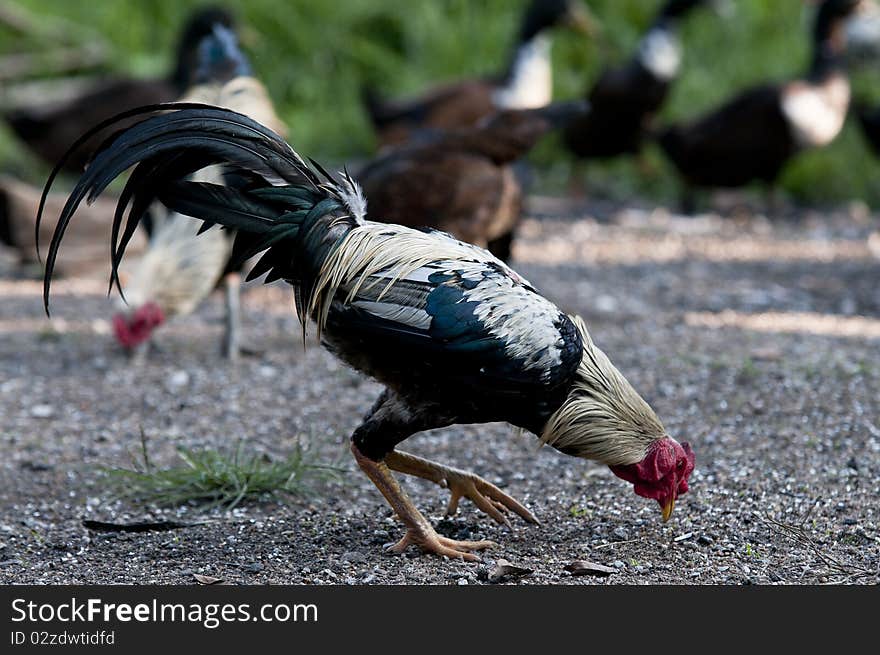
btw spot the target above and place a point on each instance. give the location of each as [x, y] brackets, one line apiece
[798, 534]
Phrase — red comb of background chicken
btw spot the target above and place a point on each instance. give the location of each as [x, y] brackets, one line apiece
[134, 329]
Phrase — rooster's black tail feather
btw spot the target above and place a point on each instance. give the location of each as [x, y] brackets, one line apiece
[174, 141]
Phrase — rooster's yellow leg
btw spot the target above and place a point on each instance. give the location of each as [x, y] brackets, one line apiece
[418, 530]
[484, 495]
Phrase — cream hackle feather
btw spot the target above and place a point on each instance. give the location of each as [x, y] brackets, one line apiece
[603, 417]
[371, 248]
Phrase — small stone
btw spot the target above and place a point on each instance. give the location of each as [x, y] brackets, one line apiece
[620, 533]
[178, 379]
[354, 557]
[253, 567]
[705, 540]
[42, 411]
[462, 582]
[606, 304]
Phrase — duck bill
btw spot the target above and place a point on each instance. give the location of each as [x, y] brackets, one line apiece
[581, 20]
[666, 510]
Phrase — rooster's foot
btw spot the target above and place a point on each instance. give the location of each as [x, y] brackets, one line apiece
[418, 530]
[461, 484]
[429, 541]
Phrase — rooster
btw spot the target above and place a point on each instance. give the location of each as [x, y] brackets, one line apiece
[461, 181]
[454, 334]
[180, 268]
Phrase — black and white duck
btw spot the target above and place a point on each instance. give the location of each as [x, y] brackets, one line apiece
[624, 99]
[751, 137]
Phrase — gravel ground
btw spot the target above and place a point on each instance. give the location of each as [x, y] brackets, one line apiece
[757, 341]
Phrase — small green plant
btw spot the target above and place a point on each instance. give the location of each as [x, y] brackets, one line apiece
[751, 551]
[48, 334]
[577, 511]
[216, 478]
[749, 371]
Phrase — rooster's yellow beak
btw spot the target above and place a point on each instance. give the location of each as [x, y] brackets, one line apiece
[667, 509]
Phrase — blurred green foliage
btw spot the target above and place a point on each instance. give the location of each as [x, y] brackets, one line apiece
[315, 54]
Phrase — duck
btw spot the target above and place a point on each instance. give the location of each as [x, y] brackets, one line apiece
[752, 136]
[625, 99]
[49, 130]
[868, 118]
[462, 181]
[527, 82]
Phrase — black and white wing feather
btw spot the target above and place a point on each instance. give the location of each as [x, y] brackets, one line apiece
[473, 327]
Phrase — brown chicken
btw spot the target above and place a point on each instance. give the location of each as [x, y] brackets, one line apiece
[461, 181]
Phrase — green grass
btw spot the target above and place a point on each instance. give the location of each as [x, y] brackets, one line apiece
[578, 512]
[315, 54]
[748, 371]
[218, 479]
